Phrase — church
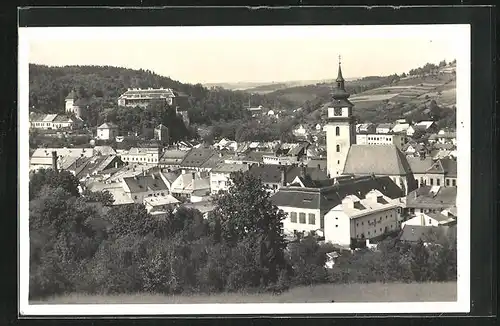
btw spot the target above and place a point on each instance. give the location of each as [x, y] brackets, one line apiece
[345, 157]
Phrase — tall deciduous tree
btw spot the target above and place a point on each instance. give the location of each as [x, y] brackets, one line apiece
[48, 177]
[247, 214]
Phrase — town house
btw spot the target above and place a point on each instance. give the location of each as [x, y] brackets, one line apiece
[431, 199]
[357, 219]
[306, 206]
[220, 177]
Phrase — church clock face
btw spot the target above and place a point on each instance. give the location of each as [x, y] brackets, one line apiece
[337, 112]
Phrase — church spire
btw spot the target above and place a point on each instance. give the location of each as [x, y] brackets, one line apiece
[339, 92]
[340, 78]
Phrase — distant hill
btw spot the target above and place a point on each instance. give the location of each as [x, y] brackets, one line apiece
[102, 85]
[267, 87]
[383, 98]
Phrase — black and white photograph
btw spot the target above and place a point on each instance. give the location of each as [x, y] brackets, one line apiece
[293, 169]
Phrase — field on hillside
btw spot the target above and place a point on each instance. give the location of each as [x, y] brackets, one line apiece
[371, 292]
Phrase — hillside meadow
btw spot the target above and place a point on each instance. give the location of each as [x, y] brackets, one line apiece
[369, 292]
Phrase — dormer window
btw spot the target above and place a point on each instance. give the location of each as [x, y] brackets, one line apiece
[337, 112]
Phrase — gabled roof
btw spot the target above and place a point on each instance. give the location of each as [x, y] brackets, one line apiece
[328, 197]
[104, 150]
[172, 157]
[108, 125]
[432, 197]
[436, 168]
[378, 160]
[385, 126]
[142, 183]
[449, 167]
[186, 184]
[171, 176]
[229, 168]
[419, 165]
[160, 200]
[196, 157]
[71, 95]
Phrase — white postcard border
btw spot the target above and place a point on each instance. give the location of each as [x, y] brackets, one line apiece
[463, 179]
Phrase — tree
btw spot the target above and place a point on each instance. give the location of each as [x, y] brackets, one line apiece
[48, 177]
[103, 197]
[246, 214]
[419, 257]
[130, 219]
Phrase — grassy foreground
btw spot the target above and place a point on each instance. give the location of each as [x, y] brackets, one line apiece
[372, 292]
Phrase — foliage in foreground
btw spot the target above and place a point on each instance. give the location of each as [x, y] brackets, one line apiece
[80, 244]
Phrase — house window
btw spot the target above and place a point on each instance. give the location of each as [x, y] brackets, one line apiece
[362, 223]
[302, 218]
[357, 224]
[336, 226]
[448, 182]
[454, 182]
[337, 131]
[430, 221]
[312, 219]
[338, 148]
[338, 161]
[293, 217]
[438, 182]
[432, 181]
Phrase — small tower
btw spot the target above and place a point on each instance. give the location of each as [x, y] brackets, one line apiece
[161, 134]
[341, 127]
[70, 100]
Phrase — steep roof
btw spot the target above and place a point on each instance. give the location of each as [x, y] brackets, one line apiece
[328, 197]
[229, 168]
[449, 166]
[142, 183]
[432, 197]
[196, 157]
[172, 157]
[71, 95]
[419, 165]
[107, 125]
[376, 159]
[104, 150]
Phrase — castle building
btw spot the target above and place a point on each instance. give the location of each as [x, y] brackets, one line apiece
[341, 128]
[73, 105]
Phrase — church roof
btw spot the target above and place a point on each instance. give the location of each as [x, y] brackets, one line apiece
[71, 95]
[376, 159]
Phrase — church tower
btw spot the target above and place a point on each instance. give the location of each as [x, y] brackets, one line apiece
[69, 101]
[341, 128]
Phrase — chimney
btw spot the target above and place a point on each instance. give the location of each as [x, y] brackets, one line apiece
[54, 161]
[302, 171]
[283, 175]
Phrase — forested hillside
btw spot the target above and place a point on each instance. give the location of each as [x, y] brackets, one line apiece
[100, 86]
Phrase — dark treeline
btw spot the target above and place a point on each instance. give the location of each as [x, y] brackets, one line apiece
[100, 87]
[81, 244]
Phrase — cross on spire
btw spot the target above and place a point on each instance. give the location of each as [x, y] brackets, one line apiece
[340, 60]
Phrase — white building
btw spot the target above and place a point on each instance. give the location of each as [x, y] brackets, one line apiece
[429, 219]
[53, 122]
[150, 156]
[383, 128]
[399, 140]
[142, 97]
[220, 177]
[361, 219]
[107, 131]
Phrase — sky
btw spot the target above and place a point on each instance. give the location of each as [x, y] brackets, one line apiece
[248, 54]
